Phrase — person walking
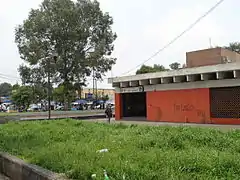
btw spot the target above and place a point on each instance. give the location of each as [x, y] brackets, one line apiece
[109, 113]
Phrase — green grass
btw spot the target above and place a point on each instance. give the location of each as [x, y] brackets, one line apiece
[138, 152]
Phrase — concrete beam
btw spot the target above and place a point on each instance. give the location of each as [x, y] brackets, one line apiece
[133, 83]
[208, 76]
[178, 79]
[124, 84]
[193, 77]
[144, 82]
[236, 73]
[166, 80]
[181, 72]
[155, 81]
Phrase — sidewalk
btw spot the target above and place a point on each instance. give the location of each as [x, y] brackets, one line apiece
[149, 123]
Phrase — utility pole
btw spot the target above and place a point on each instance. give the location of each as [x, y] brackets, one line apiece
[54, 56]
[210, 42]
[96, 89]
[93, 92]
[49, 90]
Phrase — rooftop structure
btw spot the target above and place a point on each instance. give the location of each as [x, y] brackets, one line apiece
[212, 56]
[204, 73]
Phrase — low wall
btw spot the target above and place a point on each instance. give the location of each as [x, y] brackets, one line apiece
[17, 169]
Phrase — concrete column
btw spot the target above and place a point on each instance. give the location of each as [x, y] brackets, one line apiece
[155, 81]
[167, 80]
[220, 75]
[133, 83]
[124, 84]
[178, 79]
[143, 82]
[236, 74]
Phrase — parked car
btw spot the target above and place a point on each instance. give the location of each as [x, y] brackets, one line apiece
[33, 107]
[59, 108]
[3, 108]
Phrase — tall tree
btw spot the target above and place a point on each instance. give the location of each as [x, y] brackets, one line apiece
[150, 69]
[78, 31]
[5, 89]
[175, 66]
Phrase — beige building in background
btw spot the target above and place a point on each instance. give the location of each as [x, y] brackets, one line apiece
[100, 92]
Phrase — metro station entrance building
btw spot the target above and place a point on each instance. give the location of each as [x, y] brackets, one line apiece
[207, 94]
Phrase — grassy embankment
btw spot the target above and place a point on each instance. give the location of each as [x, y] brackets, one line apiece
[138, 152]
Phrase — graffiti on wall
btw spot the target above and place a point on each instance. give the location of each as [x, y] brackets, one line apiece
[190, 108]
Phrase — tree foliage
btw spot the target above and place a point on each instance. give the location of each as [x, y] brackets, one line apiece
[78, 87]
[78, 31]
[105, 97]
[23, 96]
[175, 65]
[158, 68]
[151, 69]
[60, 95]
[5, 89]
[235, 46]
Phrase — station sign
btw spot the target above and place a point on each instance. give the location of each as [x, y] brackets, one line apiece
[132, 89]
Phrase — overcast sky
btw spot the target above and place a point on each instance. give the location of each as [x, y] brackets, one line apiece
[143, 27]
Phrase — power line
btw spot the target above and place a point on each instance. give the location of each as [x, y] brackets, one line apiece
[177, 37]
[4, 76]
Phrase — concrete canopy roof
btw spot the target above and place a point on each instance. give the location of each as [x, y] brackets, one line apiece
[204, 73]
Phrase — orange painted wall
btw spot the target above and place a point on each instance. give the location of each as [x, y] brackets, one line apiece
[190, 106]
[118, 106]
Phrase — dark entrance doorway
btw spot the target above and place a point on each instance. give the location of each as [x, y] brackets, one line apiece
[134, 104]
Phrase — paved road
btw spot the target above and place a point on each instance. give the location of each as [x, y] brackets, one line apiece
[90, 114]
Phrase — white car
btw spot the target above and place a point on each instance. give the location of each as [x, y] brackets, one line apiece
[33, 107]
[59, 108]
[3, 108]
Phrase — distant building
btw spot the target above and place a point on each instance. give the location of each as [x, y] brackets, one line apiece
[88, 93]
[212, 56]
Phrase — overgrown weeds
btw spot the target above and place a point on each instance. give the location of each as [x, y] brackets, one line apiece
[137, 152]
